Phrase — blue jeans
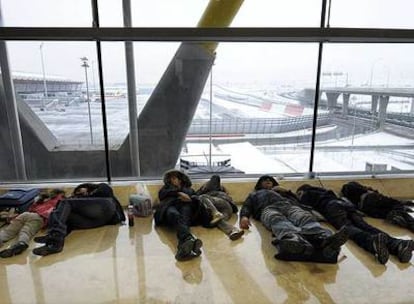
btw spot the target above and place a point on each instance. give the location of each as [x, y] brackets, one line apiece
[285, 219]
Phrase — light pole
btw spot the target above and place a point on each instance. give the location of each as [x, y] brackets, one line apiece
[44, 77]
[372, 70]
[86, 66]
[93, 77]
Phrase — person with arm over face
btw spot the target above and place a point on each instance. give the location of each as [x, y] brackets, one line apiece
[90, 206]
[179, 209]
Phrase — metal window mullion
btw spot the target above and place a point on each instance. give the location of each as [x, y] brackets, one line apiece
[317, 90]
[334, 35]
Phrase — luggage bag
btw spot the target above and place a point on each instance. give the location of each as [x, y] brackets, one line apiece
[19, 199]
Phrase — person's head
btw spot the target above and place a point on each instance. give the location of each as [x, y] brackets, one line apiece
[81, 191]
[266, 182]
[177, 179]
[302, 189]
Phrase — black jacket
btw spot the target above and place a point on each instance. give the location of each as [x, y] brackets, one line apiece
[168, 194]
[104, 190]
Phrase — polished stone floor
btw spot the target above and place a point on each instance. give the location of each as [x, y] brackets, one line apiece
[118, 264]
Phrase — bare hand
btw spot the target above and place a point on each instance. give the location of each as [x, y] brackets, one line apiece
[244, 223]
[184, 197]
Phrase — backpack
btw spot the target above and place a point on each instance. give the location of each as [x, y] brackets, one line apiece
[19, 199]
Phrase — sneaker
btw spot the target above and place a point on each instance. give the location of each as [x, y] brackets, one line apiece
[332, 244]
[379, 243]
[15, 249]
[197, 246]
[188, 249]
[235, 234]
[405, 251]
[217, 216]
[47, 249]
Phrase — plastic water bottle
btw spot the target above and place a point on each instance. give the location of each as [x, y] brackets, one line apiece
[130, 215]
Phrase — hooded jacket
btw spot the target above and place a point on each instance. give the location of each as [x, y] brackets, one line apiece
[168, 194]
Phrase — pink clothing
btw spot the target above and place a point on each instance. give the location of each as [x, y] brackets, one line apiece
[45, 207]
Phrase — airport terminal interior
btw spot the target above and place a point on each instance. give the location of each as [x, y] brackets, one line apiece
[318, 92]
[122, 264]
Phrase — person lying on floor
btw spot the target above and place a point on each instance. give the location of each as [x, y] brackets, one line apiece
[298, 235]
[341, 213]
[375, 204]
[179, 209]
[215, 198]
[25, 225]
[90, 206]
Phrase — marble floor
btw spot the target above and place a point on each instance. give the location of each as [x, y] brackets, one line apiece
[119, 264]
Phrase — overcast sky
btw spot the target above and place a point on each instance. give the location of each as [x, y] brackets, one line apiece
[274, 63]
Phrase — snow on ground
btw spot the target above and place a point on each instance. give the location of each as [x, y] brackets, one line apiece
[249, 159]
[71, 126]
[374, 139]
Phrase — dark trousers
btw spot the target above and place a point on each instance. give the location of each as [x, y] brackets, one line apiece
[359, 231]
[377, 205]
[179, 217]
[80, 213]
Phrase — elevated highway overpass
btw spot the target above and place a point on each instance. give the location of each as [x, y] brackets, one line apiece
[380, 98]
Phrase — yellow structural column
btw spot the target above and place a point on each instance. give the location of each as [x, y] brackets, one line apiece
[218, 13]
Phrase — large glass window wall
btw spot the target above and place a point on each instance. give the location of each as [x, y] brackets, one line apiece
[132, 109]
[366, 89]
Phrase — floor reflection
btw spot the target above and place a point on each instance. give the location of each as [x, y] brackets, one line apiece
[300, 280]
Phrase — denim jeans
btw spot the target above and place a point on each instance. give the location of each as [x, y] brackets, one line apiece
[289, 219]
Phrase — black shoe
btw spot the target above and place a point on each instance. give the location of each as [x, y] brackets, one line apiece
[332, 244]
[47, 249]
[379, 243]
[405, 250]
[15, 249]
[53, 237]
[42, 239]
[188, 249]
[197, 247]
